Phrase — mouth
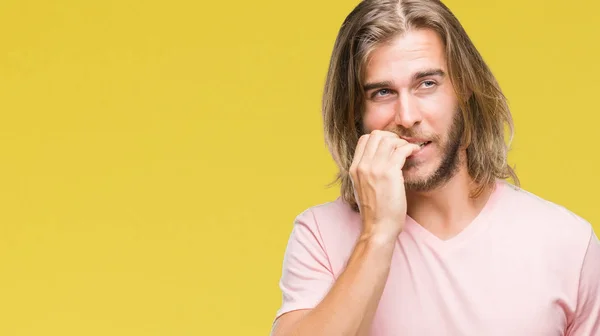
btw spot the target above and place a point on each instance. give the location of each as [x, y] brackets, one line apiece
[422, 144]
[416, 141]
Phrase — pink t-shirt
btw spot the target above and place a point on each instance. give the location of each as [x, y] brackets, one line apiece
[524, 266]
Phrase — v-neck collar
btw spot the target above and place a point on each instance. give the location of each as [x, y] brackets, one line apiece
[476, 225]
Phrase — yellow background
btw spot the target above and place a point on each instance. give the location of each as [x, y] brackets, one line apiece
[155, 153]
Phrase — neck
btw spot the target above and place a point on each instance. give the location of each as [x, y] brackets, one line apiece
[448, 209]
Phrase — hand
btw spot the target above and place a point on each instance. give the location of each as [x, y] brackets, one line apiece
[376, 174]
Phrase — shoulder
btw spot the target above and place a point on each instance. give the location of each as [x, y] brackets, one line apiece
[334, 225]
[330, 216]
[531, 207]
[539, 220]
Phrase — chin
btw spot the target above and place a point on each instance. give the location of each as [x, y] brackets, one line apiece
[418, 174]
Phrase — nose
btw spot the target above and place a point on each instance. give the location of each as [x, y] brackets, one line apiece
[407, 111]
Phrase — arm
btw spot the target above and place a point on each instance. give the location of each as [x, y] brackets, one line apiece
[347, 307]
[587, 314]
[350, 305]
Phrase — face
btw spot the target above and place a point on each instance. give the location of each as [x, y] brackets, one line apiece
[408, 92]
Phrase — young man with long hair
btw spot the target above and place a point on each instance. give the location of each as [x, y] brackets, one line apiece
[427, 236]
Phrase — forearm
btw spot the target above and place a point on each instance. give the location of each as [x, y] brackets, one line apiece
[350, 305]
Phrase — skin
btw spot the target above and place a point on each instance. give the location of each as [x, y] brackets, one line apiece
[425, 108]
[393, 178]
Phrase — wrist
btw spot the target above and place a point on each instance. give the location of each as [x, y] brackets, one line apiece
[376, 247]
[379, 238]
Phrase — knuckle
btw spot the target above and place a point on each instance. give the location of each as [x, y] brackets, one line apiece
[399, 143]
[352, 171]
[376, 172]
[389, 173]
[376, 134]
[362, 170]
[387, 141]
[382, 133]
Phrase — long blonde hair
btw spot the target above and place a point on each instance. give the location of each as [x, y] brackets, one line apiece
[483, 106]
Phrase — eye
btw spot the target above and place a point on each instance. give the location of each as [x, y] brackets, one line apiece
[428, 84]
[382, 93]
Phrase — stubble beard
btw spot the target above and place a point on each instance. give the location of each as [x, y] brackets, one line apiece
[449, 165]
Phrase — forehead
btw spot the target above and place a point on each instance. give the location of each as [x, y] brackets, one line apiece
[404, 55]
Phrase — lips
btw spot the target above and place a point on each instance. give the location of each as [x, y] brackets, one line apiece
[420, 143]
[416, 141]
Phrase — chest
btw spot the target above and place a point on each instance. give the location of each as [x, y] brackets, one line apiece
[427, 294]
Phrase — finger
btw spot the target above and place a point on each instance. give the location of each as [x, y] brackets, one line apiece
[360, 147]
[398, 158]
[358, 152]
[373, 144]
[386, 148]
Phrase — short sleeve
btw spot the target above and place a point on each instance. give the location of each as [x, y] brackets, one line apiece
[587, 314]
[306, 273]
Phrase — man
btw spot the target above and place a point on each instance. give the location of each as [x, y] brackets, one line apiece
[427, 238]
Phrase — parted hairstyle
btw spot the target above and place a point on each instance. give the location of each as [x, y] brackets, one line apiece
[483, 106]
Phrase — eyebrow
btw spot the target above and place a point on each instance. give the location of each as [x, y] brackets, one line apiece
[416, 76]
[428, 73]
